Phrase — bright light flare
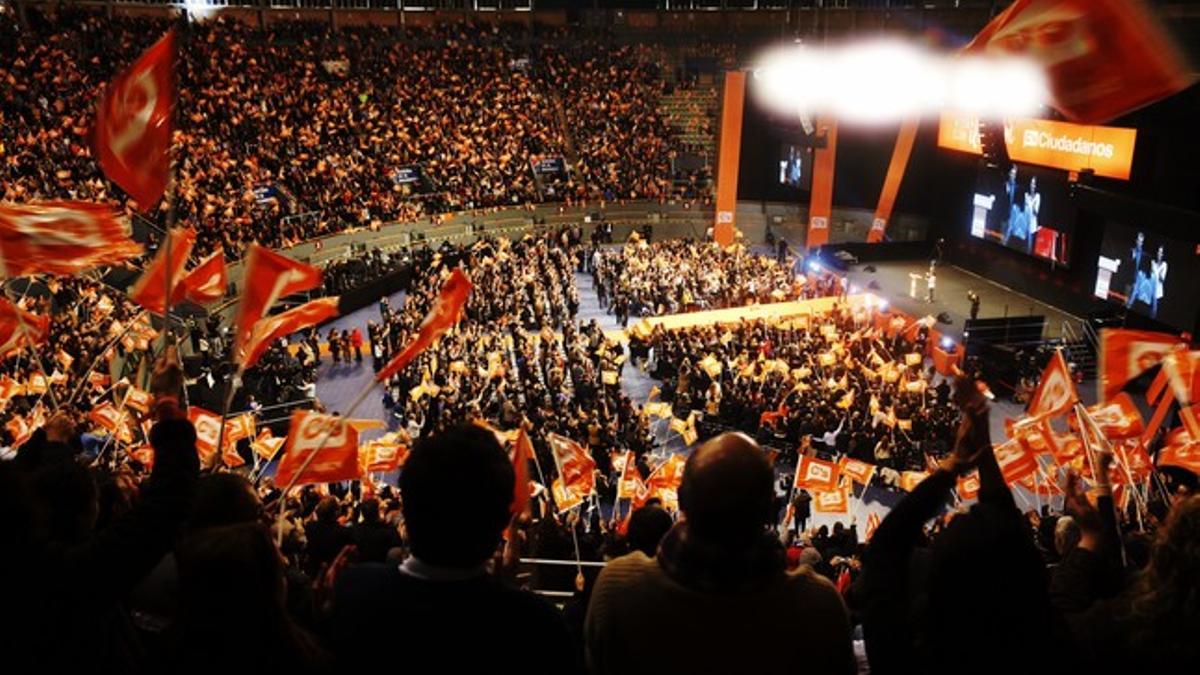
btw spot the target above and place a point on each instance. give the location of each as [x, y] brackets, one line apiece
[885, 80]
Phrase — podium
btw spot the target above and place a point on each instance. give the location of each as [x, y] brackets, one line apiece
[913, 278]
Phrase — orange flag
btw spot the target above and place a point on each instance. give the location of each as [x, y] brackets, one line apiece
[205, 283]
[858, 471]
[522, 454]
[150, 290]
[445, 313]
[873, 522]
[269, 276]
[1055, 393]
[1118, 418]
[269, 329]
[575, 465]
[1102, 58]
[62, 238]
[1126, 354]
[133, 124]
[1015, 462]
[19, 328]
[208, 431]
[836, 500]
[816, 474]
[333, 440]
[1181, 455]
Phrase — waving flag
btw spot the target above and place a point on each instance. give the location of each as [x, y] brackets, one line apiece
[208, 431]
[269, 276]
[383, 455]
[909, 480]
[333, 440]
[19, 429]
[62, 238]
[664, 483]
[856, 470]
[873, 522]
[816, 474]
[133, 124]
[19, 328]
[836, 500]
[1118, 418]
[445, 313]
[1102, 58]
[1015, 461]
[575, 465]
[1126, 354]
[205, 283]
[150, 290]
[1183, 455]
[266, 446]
[522, 454]
[1055, 393]
[630, 482]
[968, 486]
[269, 329]
[107, 417]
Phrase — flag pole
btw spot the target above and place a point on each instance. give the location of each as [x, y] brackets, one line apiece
[37, 354]
[96, 361]
[362, 395]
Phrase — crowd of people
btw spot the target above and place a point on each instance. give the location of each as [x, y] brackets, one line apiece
[681, 275]
[352, 129]
[828, 383]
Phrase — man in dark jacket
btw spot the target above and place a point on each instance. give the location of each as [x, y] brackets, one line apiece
[442, 606]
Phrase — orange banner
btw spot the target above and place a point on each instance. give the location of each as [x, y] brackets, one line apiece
[729, 156]
[1107, 151]
[821, 203]
[891, 184]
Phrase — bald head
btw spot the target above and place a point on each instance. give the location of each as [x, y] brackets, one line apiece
[727, 492]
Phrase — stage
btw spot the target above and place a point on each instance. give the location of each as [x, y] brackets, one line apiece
[950, 295]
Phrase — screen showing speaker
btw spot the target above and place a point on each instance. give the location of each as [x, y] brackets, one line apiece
[795, 166]
[1026, 209]
[1148, 273]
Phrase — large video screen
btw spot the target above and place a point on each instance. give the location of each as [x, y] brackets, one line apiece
[795, 166]
[1149, 274]
[1026, 209]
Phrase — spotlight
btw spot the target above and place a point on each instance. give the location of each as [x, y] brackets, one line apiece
[814, 267]
[883, 305]
[947, 343]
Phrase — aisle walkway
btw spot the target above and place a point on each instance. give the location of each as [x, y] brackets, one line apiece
[635, 383]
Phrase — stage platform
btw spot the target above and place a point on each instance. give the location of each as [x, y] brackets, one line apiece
[951, 295]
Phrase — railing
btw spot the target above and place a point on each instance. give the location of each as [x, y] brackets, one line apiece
[591, 564]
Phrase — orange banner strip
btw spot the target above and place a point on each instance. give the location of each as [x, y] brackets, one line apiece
[729, 154]
[821, 203]
[891, 184]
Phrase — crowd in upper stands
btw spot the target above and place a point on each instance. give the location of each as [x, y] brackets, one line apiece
[359, 127]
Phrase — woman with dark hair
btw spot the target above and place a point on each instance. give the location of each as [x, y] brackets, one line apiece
[232, 606]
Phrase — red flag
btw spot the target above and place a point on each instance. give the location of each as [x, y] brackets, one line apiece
[1102, 58]
[1118, 418]
[19, 429]
[575, 464]
[333, 440]
[267, 330]
[19, 328]
[1125, 354]
[1181, 455]
[150, 289]
[237, 428]
[383, 456]
[205, 283]
[268, 277]
[522, 454]
[816, 474]
[62, 238]
[445, 313]
[208, 431]
[1055, 393]
[133, 124]
[107, 417]
[630, 482]
[1182, 369]
[664, 483]
[138, 399]
[1015, 462]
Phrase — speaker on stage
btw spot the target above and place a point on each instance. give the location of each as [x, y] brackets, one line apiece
[944, 317]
